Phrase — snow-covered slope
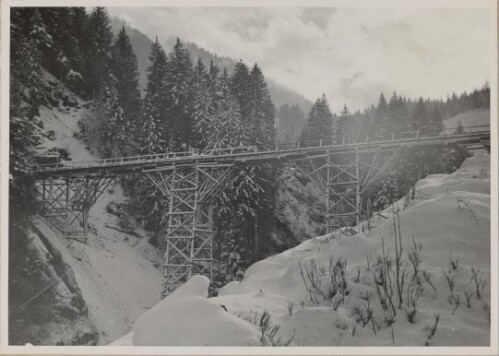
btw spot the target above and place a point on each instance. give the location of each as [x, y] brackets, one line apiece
[116, 271]
[450, 219]
[451, 214]
[467, 119]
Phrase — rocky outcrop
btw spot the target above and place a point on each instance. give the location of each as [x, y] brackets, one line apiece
[45, 303]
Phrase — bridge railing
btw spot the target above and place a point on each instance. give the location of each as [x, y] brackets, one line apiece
[234, 151]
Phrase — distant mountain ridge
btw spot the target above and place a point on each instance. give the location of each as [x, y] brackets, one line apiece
[142, 44]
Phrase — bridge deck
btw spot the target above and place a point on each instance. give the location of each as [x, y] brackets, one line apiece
[132, 164]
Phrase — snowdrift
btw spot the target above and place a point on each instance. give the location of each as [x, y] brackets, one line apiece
[187, 317]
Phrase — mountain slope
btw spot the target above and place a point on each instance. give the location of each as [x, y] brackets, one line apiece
[142, 44]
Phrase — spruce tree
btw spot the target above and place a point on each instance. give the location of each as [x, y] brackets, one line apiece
[240, 87]
[203, 105]
[97, 50]
[297, 121]
[156, 127]
[178, 84]
[261, 119]
[123, 67]
[381, 125]
[320, 124]
[27, 93]
[342, 125]
[436, 124]
[420, 120]
[226, 130]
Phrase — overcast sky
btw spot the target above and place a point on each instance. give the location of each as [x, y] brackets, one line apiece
[350, 54]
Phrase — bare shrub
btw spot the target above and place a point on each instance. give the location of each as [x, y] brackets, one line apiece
[480, 283]
[453, 263]
[461, 204]
[468, 294]
[365, 315]
[337, 273]
[413, 295]
[451, 279]
[432, 329]
[399, 270]
[415, 258]
[313, 282]
[290, 308]
[427, 278]
[268, 330]
[357, 278]
[456, 301]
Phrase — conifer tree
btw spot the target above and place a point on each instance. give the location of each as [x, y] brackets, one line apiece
[297, 121]
[178, 84]
[397, 115]
[342, 125]
[123, 67]
[261, 119]
[240, 87]
[156, 128]
[27, 93]
[420, 120]
[436, 122]
[214, 81]
[226, 129]
[97, 50]
[203, 105]
[381, 121]
[320, 123]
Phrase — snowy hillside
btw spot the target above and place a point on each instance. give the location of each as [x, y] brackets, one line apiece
[117, 270]
[449, 216]
[467, 119]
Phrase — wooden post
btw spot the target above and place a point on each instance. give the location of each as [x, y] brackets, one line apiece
[255, 242]
[328, 186]
[358, 206]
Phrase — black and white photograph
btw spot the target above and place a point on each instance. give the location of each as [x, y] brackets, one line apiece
[298, 176]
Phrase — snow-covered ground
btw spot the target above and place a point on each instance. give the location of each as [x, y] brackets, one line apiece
[450, 215]
[117, 272]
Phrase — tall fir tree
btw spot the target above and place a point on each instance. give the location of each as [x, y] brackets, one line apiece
[156, 127]
[342, 125]
[123, 67]
[27, 35]
[420, 119]
[261, 111]
[203, 106]
[178, 84]
[240, 87]
[381, 120]
[97, 50]
[436, 124]
[320, 125]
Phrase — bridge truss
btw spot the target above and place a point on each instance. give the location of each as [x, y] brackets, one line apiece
[347, 174]
[345, 179]
[66, 201]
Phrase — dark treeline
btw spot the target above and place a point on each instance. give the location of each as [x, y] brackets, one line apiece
[397, 116]
[186, 106]
[393, 119]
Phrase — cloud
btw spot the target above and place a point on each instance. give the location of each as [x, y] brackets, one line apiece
[351, 54]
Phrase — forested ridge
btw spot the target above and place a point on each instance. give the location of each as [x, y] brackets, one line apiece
[191, 105]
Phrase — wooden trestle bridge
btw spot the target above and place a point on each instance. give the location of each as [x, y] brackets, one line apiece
[192, 182]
